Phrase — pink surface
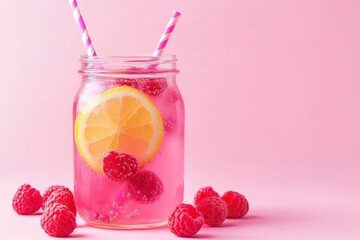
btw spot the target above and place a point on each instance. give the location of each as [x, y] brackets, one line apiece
[272, 106]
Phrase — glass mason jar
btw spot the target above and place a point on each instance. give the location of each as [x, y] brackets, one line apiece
[128, 141]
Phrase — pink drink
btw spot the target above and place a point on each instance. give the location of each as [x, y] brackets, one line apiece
[107, 203]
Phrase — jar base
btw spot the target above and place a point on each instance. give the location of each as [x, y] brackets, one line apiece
[120, 226]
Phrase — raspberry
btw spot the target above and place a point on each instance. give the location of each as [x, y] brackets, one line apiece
[214, 211]
[185, 220]
[153, 86]
[145, 187]
[26, 200]
[236, 203]
[47, 193]
[58, 221]
[63, 196]
[203, 193]
[119, 166]
[126, 82]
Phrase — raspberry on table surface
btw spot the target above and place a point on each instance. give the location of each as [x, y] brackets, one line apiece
[185, 220]
[214, 211]
[58, 221]
[237, 204]
[48, 192]
[63, 196]
[27, 200]
[203, 193]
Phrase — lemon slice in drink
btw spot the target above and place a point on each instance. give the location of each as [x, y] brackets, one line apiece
[120, 119]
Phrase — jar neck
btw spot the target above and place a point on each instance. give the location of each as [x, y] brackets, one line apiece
[128, 65]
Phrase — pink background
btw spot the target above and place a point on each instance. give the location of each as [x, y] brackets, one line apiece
[272, 106]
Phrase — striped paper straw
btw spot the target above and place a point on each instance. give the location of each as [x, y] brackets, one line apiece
[82, 28]
[167, 33]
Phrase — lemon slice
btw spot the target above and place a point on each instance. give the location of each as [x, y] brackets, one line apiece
[120, 119]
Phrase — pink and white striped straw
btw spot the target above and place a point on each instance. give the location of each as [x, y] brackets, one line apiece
[167, 33]
[82, 28]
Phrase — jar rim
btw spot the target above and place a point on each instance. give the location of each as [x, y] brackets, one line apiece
[128, 58]
[128, 64]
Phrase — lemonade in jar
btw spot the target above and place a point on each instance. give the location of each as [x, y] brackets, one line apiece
[128, 141]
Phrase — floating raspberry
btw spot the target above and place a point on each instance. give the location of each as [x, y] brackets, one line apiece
[237, 204]
[58, 221]
[185, 220]
[47, 193]
[203, 193]
[126, 82]
[214, 211]
[145, 187]
[63, 196]
[26, 200]
[119, 166]
[152, 86]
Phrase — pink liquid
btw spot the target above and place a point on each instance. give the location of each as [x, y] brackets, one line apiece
[106, 203]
